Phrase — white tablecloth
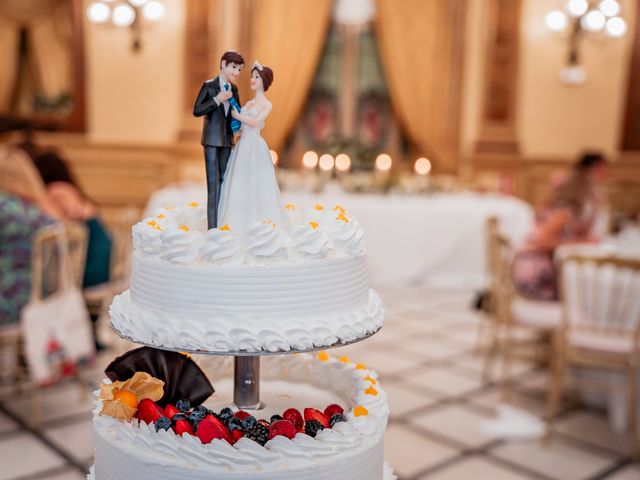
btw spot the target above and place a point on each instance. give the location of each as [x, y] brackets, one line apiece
[434, 240]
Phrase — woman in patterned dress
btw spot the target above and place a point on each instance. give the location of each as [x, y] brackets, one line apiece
[24, 209]
[568, 217]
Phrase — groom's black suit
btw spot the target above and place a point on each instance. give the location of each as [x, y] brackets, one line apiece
[217, 140]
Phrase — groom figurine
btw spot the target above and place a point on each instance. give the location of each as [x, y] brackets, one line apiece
[213, 102]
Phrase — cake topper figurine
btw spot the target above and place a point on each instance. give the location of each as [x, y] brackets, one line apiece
[215, 101]
[250, 194]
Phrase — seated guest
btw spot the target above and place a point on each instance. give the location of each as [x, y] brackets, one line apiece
[64, 191]
[24, 208]
[568, 216]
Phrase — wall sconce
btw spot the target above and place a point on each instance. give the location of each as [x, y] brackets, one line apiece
[126, 14]
[584, 18]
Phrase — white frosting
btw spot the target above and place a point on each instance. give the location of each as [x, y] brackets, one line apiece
[266, 244]
[347, 237]
[308, 241]
[222, 247]
[351, 449]
[180, 244]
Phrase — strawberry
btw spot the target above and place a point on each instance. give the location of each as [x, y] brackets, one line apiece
[237, 435]
[313, 414]
[210, 427]
[282, 427]
[149, 412]
[183, 426]
[295, 417]
[170, 411]
[241, 414]
[263, 423]
[332, 409]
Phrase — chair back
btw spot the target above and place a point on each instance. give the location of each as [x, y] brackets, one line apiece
[499, 257]
[77, 237]
[601, 294]
[120, 223]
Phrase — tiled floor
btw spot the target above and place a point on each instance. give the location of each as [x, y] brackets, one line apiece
[439, 403]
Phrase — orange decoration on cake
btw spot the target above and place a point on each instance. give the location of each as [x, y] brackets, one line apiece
[319, 207]
[371, 391]
[290, 206]
[323, 356]
[160, 216]
[193, 204]
[360, 411]
[314, 225]
[369, 378]
[127, 397]
[360, 366]
[184, 228]
[153, 224]
[344, 359]
[339, 208]
[342, 218]
[225, 228]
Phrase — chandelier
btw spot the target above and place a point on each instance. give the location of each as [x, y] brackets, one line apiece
[584, 18]
[126, 14]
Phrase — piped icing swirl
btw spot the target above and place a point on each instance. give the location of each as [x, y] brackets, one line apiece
[180, 244]
[266, 243]
[309, 241]
[221, 247]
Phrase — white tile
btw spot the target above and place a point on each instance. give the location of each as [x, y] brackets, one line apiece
[631, 472]
[442, 380]
[24, 455]
[386, 362]
[433, 348]
[409, 453]
[556, 460]
[593, 428]
[493, 397]
[75, 439]
[456, 422]
[6, 424]
[58, 402]
[475, 468]
[404, 399]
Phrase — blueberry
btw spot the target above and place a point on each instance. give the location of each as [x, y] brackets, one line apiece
[275, 418]
[163, 423]
[312, 427]
[183, 405]
[248, 423]
[337, 417]
[225, 414]
[234, 424]
[179, 416]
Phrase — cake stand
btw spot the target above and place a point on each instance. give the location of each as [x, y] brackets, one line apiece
[246, 366]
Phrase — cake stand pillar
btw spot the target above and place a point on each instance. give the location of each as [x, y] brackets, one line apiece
[246, 383]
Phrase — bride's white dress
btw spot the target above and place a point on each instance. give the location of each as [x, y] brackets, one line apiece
[250, 190]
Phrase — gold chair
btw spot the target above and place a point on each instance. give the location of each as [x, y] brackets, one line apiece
[600, 327]
[520, 327]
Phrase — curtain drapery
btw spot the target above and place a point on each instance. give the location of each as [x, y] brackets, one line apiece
[288, 36]
[48, 24]
[419, 42]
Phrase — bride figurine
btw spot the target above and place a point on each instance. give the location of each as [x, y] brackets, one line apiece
[250, 189]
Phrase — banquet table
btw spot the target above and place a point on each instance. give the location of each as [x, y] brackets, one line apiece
[613, 397]
[435, 240]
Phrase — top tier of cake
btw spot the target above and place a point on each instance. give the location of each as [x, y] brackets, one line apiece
[271, 290]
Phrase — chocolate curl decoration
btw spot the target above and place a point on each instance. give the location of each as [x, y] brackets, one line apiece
[183, 379]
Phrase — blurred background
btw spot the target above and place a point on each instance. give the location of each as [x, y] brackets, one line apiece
[484, 146]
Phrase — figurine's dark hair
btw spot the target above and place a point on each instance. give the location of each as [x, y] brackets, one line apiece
[266, 74]
[231, 56]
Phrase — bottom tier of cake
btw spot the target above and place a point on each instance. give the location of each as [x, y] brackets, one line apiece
[352, 449]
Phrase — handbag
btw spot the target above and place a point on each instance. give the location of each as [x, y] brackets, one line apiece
[56, 328]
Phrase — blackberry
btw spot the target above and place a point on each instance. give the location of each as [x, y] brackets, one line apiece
[234, 424]
[275, 418]
[248, 423]
[183, 406]
[163, 423]
[225, 414]
[337, 417]
[258, 433]
[197, 414]
[312, 427]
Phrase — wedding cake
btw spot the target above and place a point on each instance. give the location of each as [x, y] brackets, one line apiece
[195, 289]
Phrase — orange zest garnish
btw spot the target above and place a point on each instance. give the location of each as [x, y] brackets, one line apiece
[160, 216]
[360, 366]
[342, 217]
[319, 207]
[153, 224]
[323, 356]
[340, 209]
[314, 225]
[371, 391]
[225, 228]
[290, 206]
[184, 228]
[369, 378]
[344, 359]
[360, 411]
[193, 204]
[126, 397]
